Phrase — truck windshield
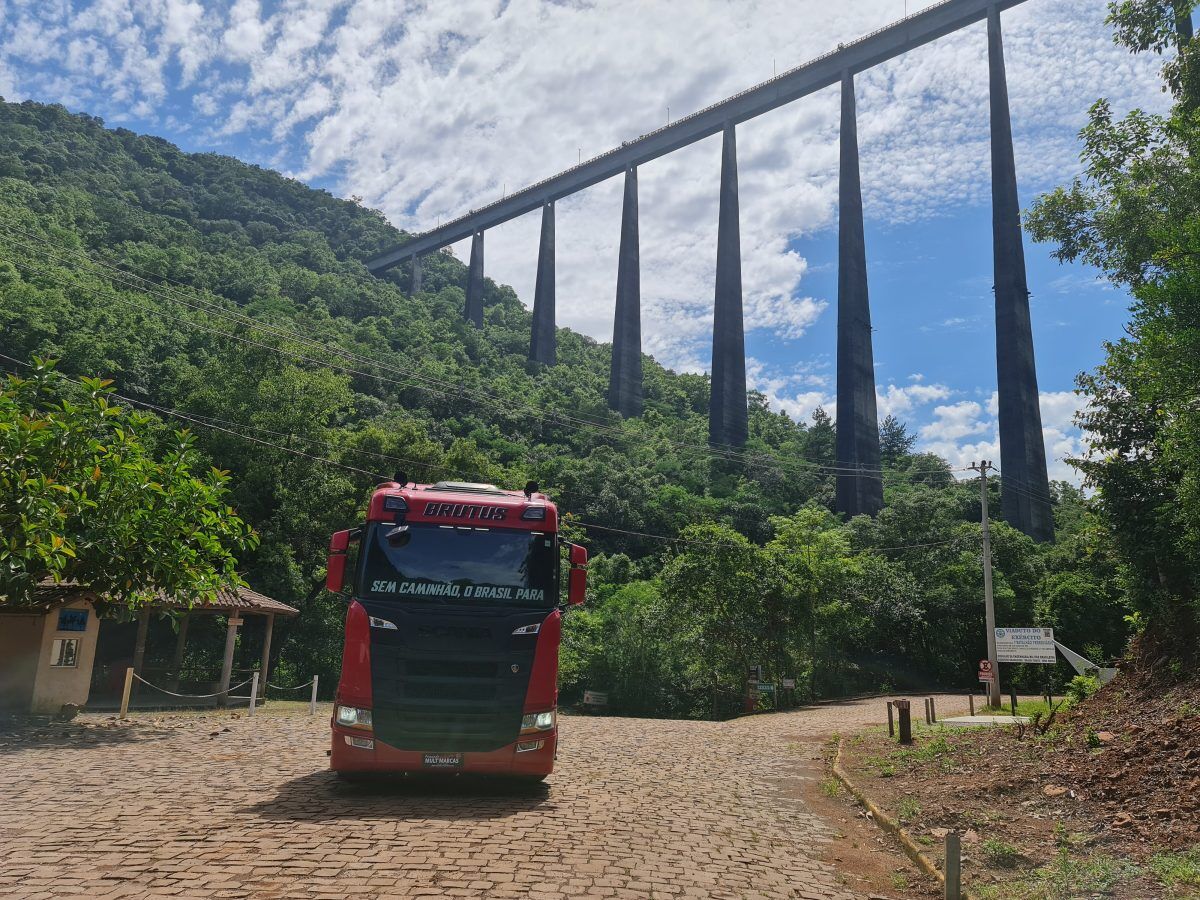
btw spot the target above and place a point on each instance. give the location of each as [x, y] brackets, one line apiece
[431, 563]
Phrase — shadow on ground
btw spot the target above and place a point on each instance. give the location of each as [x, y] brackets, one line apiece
[322, 797]
[19, 733]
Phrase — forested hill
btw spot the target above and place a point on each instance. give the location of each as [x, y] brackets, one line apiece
[238, 297]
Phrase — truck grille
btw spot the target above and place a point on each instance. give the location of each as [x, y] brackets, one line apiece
[440, 684]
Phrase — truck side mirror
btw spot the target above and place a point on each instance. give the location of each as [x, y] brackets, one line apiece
[335, 568]
[577, 579]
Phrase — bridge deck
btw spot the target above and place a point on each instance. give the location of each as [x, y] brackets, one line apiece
[914, 31]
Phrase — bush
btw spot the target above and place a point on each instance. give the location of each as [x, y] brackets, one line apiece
[1082, 687]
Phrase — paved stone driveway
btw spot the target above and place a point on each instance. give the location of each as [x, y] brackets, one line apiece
[636, 808]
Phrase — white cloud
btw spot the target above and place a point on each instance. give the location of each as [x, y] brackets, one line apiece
[968, 431]
[428, 109]
[895, 400]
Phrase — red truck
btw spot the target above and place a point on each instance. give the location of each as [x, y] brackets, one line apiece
[450, 660]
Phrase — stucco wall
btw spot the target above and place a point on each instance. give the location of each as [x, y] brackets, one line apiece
[54, 687]
[20, 643]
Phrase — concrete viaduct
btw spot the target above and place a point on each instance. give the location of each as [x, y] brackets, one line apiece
[1025, 492]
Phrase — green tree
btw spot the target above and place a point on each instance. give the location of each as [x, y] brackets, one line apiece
[83, 498]
[1136, 214]
[894, 440]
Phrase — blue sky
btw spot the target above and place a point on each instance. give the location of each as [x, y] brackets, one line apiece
[426, 109]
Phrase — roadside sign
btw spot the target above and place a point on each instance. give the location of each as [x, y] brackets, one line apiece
[595, 698]
[985, 671]
[766, 689]
[1025, 645]
[754, 673]
[789, 684]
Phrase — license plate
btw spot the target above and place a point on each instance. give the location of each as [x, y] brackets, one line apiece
[443, 760]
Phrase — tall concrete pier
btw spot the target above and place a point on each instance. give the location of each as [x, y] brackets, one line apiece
[1026, 502]
[857, 424]
[727, 424]
[1025, 489]
[625, 376]
[542, 348]
[474, 311]
[415, 286]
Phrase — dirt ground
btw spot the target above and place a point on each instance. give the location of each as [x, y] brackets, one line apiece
[1105, 802]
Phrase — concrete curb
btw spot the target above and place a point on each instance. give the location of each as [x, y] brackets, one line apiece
[890, 825]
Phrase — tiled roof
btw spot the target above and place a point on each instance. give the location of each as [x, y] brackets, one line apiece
[48, 595]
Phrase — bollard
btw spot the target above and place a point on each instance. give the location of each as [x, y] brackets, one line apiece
[1012, 700]
[891, 722]
[905, 713]
[927, 719]
[953, 866]
[971, 700]
[312, 703]
[126, 692]
[933, 710]
[253, 693]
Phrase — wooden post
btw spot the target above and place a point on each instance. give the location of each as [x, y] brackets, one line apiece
[1012, 700]
[139, 644]
[266, 651]
[933, 710]
[126, 692]
[180, 646]
[953, 866]
[891, 721]
[905, 713]
[971, 700]
[312, 703]
[928, 721]
[253, 693]
[227, 663]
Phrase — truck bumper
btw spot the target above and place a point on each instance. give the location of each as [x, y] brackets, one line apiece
[382, 759]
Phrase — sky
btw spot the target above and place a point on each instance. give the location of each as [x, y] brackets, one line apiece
[427, 109]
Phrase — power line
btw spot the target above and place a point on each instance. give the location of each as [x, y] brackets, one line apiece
[382, 477]
[763, 461]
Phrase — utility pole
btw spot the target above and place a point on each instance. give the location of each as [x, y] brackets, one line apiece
[989, 605]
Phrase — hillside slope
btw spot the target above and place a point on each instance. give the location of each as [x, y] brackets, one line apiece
[238, 298]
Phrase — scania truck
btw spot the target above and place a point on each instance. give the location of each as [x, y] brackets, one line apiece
[450, 655]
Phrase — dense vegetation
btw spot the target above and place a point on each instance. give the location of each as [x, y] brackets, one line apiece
[238, 297]
[83, 500]
[1136, 214]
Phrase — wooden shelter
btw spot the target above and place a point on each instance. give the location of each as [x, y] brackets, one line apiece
[66, 646]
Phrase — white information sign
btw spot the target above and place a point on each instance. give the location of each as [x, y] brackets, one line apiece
[1025, 645]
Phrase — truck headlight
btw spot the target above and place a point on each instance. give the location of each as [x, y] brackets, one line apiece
[532, 722]
[353, 717]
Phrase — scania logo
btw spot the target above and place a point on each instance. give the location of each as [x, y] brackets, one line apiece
[453, 632]
[465, 511]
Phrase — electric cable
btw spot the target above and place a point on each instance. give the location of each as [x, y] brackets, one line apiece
[459, 393]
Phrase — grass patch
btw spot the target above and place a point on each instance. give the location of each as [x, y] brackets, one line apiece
[1024, 708]
[831, 787]
[900, 881]
[1066, 878]
[907, 810]
[925, 749]
[1177, 869]
[999, 855]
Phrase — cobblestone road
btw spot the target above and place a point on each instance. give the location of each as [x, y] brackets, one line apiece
[208, 806]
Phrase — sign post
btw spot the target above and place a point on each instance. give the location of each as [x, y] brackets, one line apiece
[987, 675]
[1026, 645]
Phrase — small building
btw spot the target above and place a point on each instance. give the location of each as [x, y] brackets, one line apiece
[69, 648]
